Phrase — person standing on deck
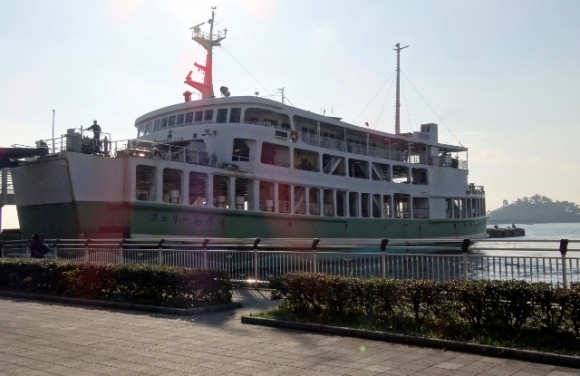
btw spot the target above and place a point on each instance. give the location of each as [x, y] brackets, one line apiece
[96, 128]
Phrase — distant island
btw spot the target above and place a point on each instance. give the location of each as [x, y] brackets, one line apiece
[535, 209]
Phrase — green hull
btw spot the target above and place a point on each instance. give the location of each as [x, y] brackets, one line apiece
[99, 220]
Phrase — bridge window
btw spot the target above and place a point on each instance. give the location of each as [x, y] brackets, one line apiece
[222, 115]
[235, 115]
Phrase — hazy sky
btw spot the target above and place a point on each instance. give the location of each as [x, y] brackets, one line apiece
[501, 77]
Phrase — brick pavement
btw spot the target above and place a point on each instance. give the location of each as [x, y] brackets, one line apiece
[43, 338]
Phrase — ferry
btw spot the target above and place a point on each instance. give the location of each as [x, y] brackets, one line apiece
[244, 166]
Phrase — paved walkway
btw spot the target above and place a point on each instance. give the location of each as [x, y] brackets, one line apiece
[41, 338]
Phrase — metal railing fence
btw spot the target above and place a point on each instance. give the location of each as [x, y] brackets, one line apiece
[553, 261]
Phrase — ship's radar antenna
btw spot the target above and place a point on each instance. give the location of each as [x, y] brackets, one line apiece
[398, 48]
[207, 41]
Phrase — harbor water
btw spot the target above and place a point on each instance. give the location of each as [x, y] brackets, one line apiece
[551, 231]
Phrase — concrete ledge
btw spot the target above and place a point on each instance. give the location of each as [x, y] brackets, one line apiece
[120, 305]
[503, 352]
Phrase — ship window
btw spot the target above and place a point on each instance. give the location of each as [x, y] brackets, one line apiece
[163, 123]
[358, 169]
[419, 176]
[189, 117]
[387, 211]
[244, 194]
[277, 155]
[145, 183]
[314, 201]
[222, 115]
[299, 200]
[328, 202]
[448, 208]
[171, 121]
[353, 204]
[306, 160]
[340, 203]
[141, 131]
[284, 198]
[400, 174]
[148, 128]
[220, 191]
[172, 186]
[380, 172]
[402, 206]
[156, 125]
[266, 196]
[235, 115]
[241, 150]
[264, 117]
[197, 189]
[179, 119]
[420, 207]
[333, 165]
[365, 201]
[376, 206]
[208, 115]
[198, 116]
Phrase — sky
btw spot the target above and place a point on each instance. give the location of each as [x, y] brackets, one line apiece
[500, 77]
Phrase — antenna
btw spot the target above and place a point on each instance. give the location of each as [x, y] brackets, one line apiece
[282, 92]
[398, 94]
[207, 41]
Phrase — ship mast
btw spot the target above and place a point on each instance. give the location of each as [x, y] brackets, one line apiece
[207, 41]
[398, 94]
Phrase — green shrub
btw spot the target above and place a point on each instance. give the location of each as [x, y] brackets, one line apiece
[130, 283]
[451, 307]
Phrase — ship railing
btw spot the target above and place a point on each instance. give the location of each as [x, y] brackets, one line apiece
[168, 152]
[383, 153]
[556, 262]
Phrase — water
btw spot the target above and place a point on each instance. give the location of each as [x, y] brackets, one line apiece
[550, 231]
[527, 258]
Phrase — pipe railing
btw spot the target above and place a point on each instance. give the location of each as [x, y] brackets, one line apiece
[253, 259]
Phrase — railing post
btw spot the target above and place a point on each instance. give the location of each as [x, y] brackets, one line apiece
[256, 242]
[160, 252]
[464, 249]
[315, 242]
[563, 250]
[384, 243]
[87, 250]
[121, 247]
[205, 264]
[55, 248]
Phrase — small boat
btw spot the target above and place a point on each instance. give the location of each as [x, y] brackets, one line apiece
[505, 232]
[230, 166]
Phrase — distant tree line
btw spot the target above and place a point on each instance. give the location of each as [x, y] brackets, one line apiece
[535, 209]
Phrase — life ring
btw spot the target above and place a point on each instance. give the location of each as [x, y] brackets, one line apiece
[294, 136]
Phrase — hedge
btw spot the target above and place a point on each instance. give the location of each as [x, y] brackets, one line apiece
[129, 283]
[501, 305]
